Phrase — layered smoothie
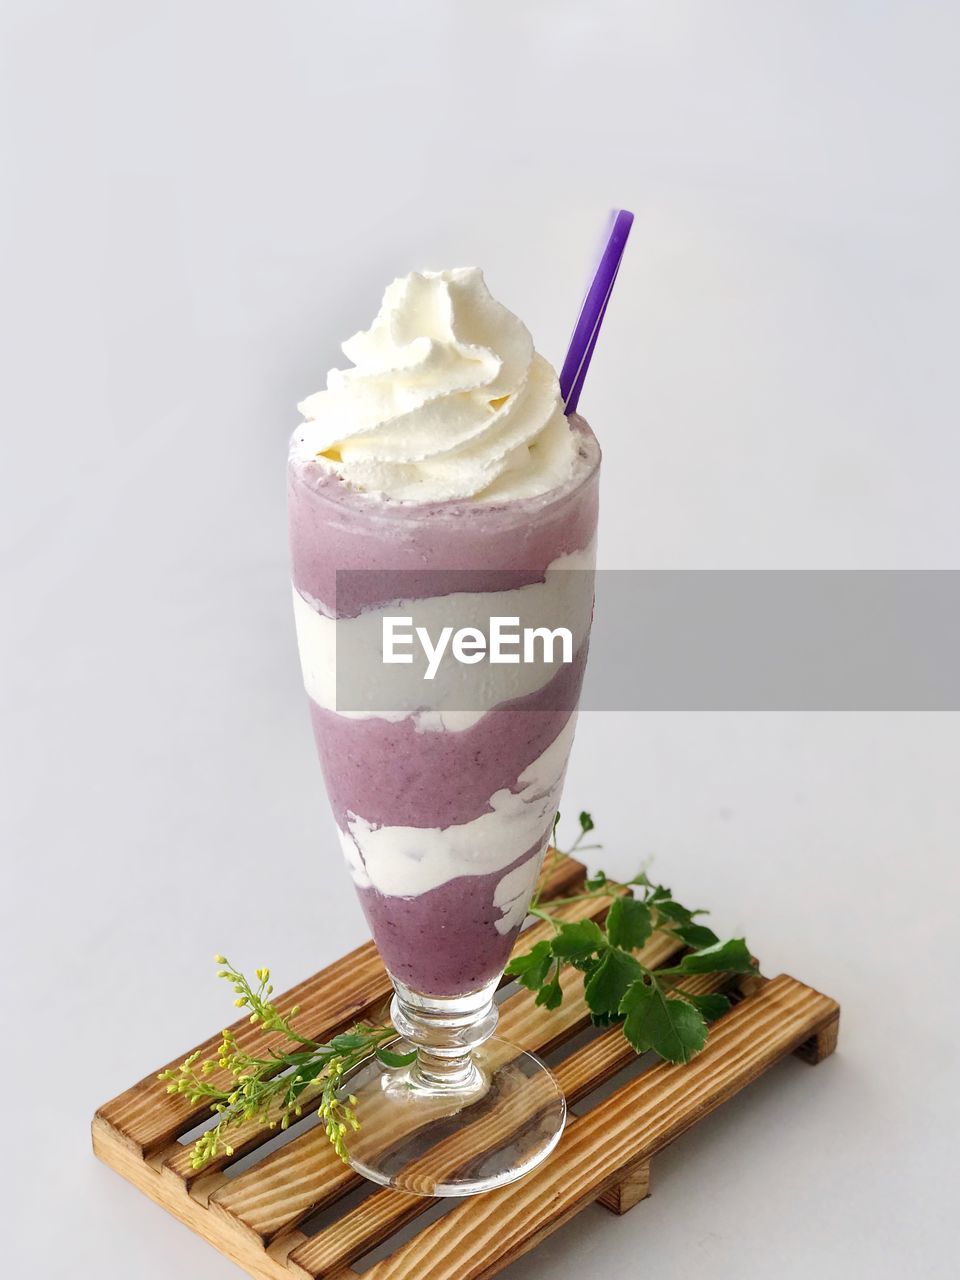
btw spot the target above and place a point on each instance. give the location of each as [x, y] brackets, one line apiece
[441, 467]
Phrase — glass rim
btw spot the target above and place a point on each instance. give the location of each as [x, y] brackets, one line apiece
[331, 491]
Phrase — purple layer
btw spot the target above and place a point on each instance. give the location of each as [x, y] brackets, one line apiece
[392, 774]
[334, 528]
[444, 942]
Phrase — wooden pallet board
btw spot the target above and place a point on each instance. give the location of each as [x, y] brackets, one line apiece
[261, 1217]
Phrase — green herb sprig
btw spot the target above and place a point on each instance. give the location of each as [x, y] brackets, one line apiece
[654, 1010]
[273, 1088]
[270, 1089]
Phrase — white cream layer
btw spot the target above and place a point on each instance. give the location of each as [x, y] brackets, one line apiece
[406, 861]
[460, 694]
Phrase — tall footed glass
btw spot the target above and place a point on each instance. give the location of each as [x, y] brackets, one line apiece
[444, 793]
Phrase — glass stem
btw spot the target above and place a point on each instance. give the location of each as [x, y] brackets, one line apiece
[445, 1030]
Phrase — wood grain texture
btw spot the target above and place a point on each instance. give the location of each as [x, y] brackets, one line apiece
[590, 1066]
[628, 1191]
[255, 1219]
[822, 1044]
[305, 1174]
[482, 1235]
[149, 1118]
[119, 1155]
[353, 988]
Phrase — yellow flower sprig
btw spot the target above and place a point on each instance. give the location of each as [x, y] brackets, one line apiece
[270, 1088]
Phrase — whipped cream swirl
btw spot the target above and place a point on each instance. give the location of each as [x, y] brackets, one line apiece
[447, 400]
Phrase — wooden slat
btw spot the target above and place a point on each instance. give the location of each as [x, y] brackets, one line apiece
[291, 1183]
[599, 1061]
[384, 1212]
[822, 1044]
[149, 1118]
[244, 1138]
[563, 876]
[479, 1237]
[579, 1075]
[358, 1232]
[605, 1155]
[305, 1175]
[109, 1146]
[352, 989]
[628, 1191]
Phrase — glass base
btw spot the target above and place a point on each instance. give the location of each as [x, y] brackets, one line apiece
[504, 1115]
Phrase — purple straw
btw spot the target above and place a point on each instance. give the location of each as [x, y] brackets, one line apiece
[580, 351]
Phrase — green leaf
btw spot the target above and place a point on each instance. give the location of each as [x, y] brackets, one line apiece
[629, 923]
[306, 1075]
[556, 823]
[596, 881]
[531, 970]
[722, 957]
[712, 1004]
[696, 935]
[578, 940]
[551, 996]
[609, 981]
[672, 1028]
[642, 879]
[347, 1041]
[674, 911]
[586, 823]
[396, 1059]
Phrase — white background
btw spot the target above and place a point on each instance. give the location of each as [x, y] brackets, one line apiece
[201, 200]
